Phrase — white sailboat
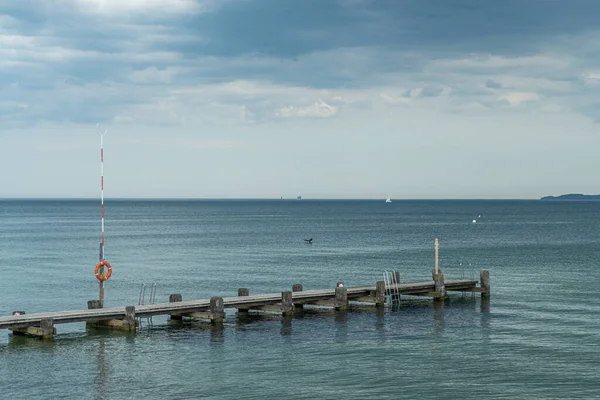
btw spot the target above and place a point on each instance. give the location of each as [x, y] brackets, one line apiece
[388, 200]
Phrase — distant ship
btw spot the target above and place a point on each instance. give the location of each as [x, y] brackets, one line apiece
[299, 197]
[388, 200]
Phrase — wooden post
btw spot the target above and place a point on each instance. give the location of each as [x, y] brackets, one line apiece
[217, 310]
[438, 277]
[440, 288]
[287, 304]
[379, 293]
[241, 293]
[47, 329]
[484, 283]
[341, 298]
[94, 304]
[129, 324]
[437, 270]
[297, 287]
[175, 298]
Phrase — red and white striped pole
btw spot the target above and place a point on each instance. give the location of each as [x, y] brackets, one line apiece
[102, 187]
[101, 283]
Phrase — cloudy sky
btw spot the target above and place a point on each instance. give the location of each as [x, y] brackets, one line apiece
[323, 98]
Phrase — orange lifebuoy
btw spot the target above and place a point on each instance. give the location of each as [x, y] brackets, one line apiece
[105, 275]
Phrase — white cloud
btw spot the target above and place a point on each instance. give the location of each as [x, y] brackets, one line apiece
[16, 41]
[591, 77]
[388, 98]
[142, 6]
[156, 75]
[12, 105]
[123, 119]
[488, 61]
[517, 98]
[317, 109]
[140, 82]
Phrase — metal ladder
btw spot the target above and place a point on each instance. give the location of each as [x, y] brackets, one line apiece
[151, 300]
[392, 292]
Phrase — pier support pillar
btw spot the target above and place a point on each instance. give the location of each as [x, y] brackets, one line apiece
[174, 318]
[217, 310]
[93, 305]
[440, 287]
[128, 323]
[46, 330]
[484, 283]
[287, 304]
[341, 298]
[380, 293]
[241, 293]
[297, 287]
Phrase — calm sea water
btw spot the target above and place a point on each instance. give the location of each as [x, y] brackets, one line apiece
[537, 338]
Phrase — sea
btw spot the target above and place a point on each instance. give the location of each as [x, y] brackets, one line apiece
[537, 337]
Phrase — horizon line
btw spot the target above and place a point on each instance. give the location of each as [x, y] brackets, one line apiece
[268, 198]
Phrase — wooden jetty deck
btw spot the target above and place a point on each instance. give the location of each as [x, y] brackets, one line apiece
[124, 318]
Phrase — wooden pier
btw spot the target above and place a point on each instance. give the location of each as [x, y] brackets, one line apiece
[42, 325]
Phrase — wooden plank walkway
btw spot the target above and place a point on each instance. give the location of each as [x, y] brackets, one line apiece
[261, 301]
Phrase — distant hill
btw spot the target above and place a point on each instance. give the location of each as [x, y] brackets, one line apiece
[573, 197]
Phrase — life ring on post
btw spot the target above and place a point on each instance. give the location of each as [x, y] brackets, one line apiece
[105, 274]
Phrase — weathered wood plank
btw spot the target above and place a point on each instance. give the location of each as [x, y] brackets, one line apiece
[364, 299]
[321, 303]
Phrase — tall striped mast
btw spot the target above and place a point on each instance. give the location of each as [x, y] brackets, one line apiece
[101, 283]
[102, 189]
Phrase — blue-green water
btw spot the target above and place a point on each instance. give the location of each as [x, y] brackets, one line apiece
[538, 337]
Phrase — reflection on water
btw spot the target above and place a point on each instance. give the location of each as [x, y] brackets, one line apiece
[438, 319]
[101, 379]
[380, 323]
[341, 325]
[484, 309]
[17, 342]
[286, 325]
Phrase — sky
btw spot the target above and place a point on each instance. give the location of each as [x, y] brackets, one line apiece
[415, 99]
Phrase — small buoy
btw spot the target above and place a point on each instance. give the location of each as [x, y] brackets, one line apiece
[474, 221]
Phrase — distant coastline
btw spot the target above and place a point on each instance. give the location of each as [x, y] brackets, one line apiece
[573, 197]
